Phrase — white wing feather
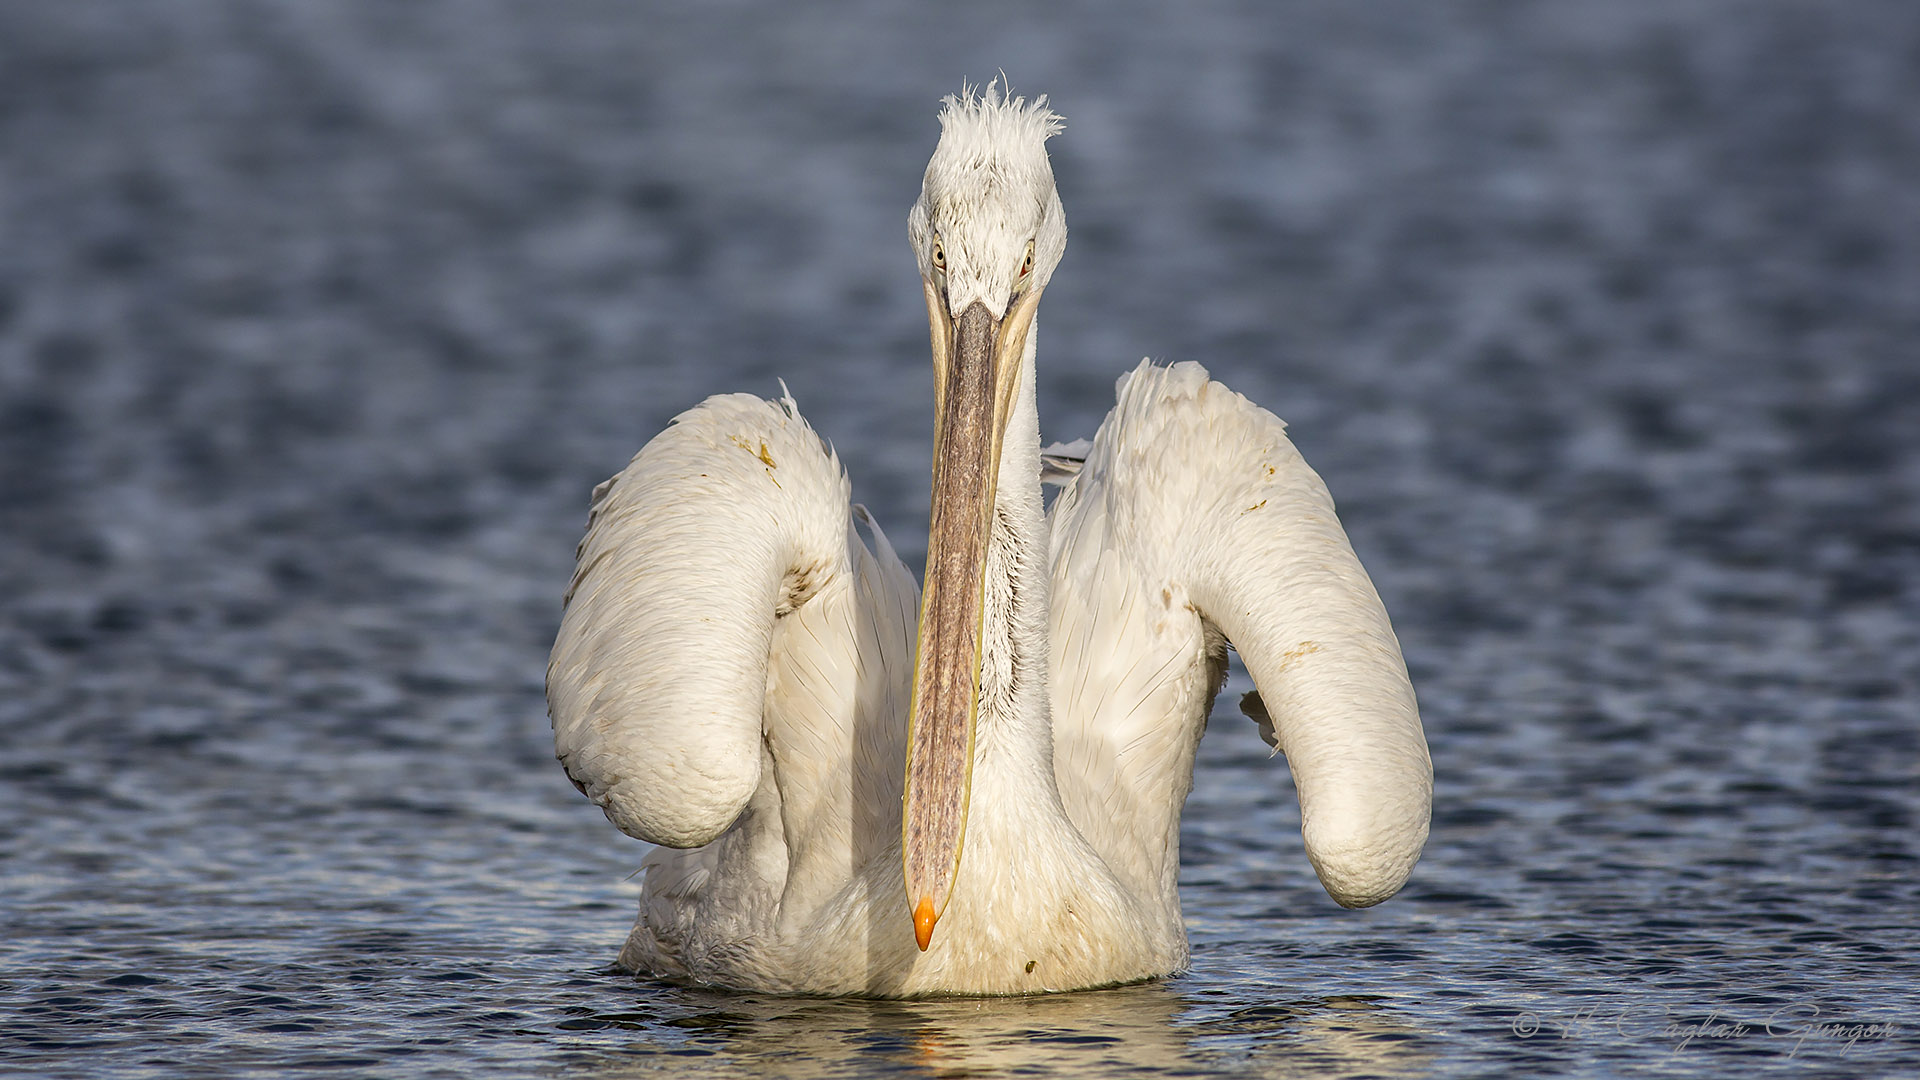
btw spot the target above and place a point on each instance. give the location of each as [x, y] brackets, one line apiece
[732, 518]
[1194, 518]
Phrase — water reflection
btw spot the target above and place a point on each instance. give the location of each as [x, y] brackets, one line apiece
[1150, 1030]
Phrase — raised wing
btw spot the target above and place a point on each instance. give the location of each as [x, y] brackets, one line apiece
[724, 613]
[1194, 523]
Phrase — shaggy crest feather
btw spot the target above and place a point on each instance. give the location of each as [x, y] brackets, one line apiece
[977, 124]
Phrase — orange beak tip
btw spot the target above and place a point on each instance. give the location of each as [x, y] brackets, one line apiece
[923, 920]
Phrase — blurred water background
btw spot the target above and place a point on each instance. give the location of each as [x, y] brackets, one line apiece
[318, 320]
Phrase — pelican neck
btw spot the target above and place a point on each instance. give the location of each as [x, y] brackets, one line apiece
[1015, 731]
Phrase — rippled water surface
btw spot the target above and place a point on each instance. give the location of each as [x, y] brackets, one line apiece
[319, 320]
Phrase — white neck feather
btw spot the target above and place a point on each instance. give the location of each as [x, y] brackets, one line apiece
[1014, 736]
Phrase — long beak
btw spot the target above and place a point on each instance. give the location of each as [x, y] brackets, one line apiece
[976, 363]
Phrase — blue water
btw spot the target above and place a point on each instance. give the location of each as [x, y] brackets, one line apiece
[319, 320]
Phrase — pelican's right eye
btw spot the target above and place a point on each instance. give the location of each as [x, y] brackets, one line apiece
[939, 257]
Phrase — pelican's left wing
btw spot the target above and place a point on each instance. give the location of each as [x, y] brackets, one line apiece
[1193, 523]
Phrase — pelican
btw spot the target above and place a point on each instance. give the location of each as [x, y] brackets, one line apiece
[833, 763]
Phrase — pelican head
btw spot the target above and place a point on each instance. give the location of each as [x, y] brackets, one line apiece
[988, 231]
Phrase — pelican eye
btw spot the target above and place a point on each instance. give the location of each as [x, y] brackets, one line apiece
[939, 256]
[1026, 264]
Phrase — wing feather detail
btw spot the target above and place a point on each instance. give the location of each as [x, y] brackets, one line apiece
[732, 517]
[1194, 519]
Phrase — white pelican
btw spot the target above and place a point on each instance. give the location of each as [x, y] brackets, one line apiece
[734, 678]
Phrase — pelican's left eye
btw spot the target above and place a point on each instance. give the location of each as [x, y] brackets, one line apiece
[1026, 264]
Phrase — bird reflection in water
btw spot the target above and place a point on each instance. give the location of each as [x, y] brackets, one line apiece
[1142, 1031]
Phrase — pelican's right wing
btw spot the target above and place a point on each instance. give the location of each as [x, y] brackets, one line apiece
[1194, 523]
[724, 613]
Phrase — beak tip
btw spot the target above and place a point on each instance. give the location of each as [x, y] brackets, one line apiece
[923, 919]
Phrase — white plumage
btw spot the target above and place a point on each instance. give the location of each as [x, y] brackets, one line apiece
[735, 673]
